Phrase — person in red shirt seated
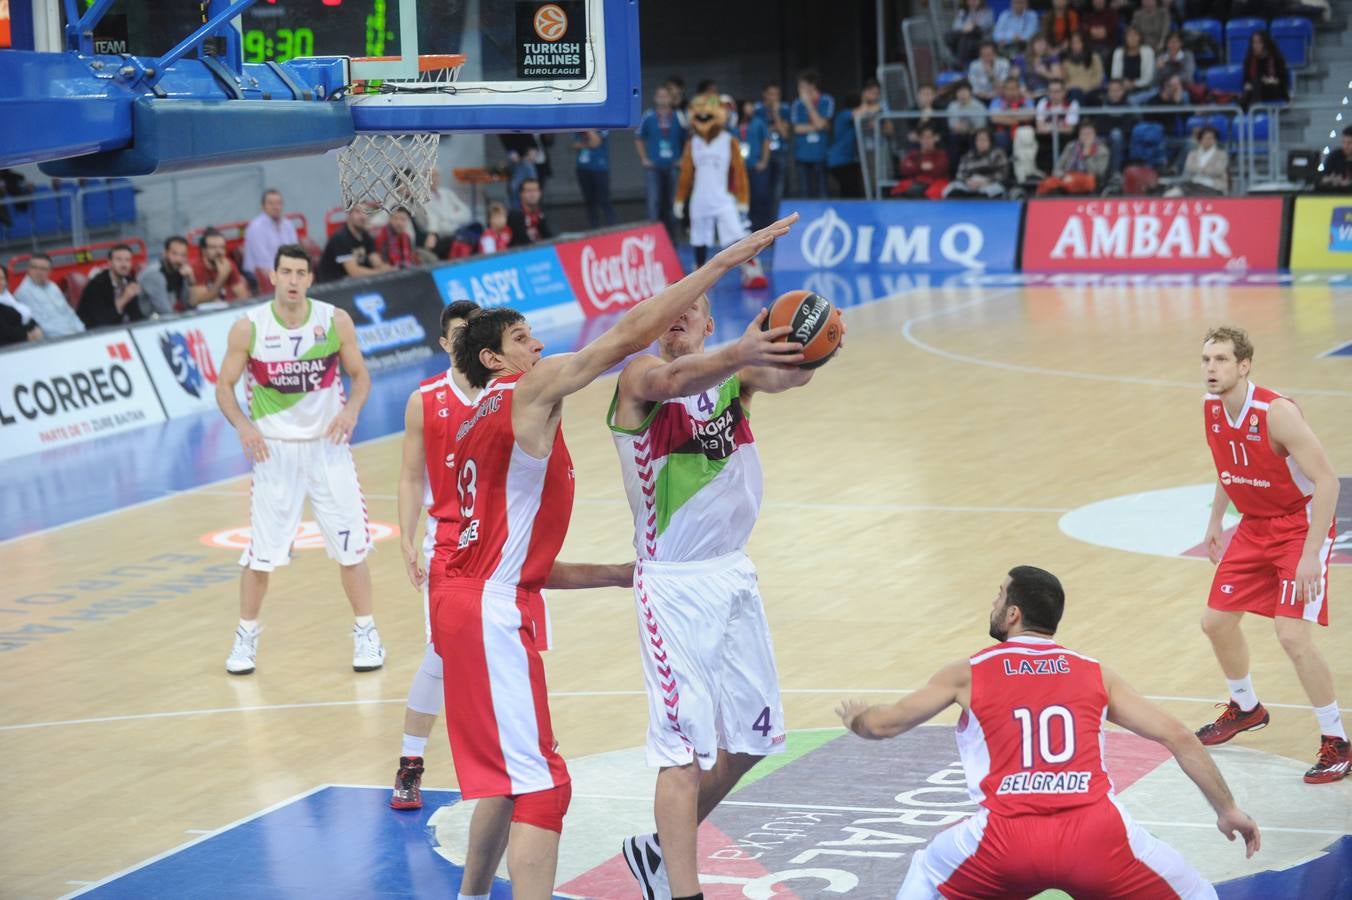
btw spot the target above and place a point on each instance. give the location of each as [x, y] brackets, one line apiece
[395, 244]
[215, 275]
[497, 236]
[924, 172]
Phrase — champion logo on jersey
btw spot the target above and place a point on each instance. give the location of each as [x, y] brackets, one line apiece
[1216, 429]
[1227, 589]
[444, 413]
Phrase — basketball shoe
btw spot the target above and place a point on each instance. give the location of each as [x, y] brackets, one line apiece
[644, 856]
[368, 654]
[408, 784]
[1231, 722]
[1333, 761]
[241, 659]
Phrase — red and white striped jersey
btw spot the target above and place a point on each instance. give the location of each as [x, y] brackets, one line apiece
[1258, 481]
[514, 508]
[1032, 739]
[445, 408]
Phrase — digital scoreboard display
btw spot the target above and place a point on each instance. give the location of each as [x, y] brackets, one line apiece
[280, 30]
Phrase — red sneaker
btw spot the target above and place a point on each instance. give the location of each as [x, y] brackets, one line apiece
[1231, 722]
[408, 784]
[1333, 761]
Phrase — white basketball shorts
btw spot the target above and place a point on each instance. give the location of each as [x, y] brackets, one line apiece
[323, 471]
[708, 662]
[718, 229]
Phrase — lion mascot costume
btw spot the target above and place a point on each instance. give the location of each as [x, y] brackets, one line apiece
[713, 181]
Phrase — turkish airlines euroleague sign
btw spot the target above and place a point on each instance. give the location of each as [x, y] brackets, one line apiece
[615, 270]
[1153, 235]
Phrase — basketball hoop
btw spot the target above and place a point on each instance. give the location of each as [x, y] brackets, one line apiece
[387, 171]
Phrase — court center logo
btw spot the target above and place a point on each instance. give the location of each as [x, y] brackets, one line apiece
[826, 241]
[188, 356]
[551, 23]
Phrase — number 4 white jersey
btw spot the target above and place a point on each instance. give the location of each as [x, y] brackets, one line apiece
[292, 377]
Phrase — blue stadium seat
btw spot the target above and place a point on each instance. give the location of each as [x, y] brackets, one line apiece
[98, 212]
[1220, 122]
[945, 78]
[1260, 131]
[997, 7]
[1294, 36]
[122, 199]
[1147, 144]
[1238, 33]
[20, 226]
[1213, 29]
[1226, 78]
[65, 206]
[46, 212]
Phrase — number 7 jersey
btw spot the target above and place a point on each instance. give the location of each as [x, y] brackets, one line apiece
[292, 379]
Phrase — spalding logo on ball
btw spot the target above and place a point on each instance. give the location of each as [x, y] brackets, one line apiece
[814, 322]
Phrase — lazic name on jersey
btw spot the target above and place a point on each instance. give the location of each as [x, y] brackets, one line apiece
[1045, 783]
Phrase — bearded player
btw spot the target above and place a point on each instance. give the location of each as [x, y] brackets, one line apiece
[514, 480]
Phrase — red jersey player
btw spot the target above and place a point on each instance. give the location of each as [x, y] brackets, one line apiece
[1031, 738]
[514, 480]
[434, 413]
[1270, 465]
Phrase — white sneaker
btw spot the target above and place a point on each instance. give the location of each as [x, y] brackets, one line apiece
[368, 654]
[644, 856]
[241, 659]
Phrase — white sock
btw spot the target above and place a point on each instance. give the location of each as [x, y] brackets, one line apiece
[365, 622]
[471, 897]
[1241, 691]
[249, 625]
[1330, 721]
[413, 746]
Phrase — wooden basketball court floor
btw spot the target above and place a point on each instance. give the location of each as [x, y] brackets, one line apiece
[949, 442]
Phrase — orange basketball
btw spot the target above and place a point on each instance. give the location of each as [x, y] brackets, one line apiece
[815, 322]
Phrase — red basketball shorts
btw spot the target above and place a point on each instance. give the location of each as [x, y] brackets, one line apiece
[1094, 851]
[489, 637]
[1257, 573]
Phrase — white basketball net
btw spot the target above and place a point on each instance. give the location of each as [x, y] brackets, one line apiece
[388, 170]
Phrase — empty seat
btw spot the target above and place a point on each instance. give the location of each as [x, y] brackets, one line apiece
[1294, 36]
[1226, 78]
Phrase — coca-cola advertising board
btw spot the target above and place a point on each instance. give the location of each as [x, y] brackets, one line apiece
[617, 269]
[1154, 234]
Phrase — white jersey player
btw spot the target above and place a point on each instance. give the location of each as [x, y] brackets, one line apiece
[296, 433]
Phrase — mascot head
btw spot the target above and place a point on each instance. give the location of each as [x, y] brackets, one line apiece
[708, 116]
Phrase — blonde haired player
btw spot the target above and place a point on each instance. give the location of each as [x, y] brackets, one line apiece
[296, 435]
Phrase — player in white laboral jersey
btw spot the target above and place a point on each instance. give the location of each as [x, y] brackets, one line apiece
[296, 434]
[693, 476]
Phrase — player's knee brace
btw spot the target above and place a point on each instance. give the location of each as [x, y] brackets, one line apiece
[426, 694]
[543, 809]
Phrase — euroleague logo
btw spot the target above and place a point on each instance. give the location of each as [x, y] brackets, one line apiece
[551, 23]
[189, 357]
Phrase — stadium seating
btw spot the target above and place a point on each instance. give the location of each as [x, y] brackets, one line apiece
[72, 267]
[945, 78]
[1238, 33]
[1294, 36]
[1225, 78]
[1211, 29]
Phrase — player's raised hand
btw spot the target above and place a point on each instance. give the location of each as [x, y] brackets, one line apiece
[255, 448]
[1235, 820]
[754, 243]
[1215, 543]
[759, 346]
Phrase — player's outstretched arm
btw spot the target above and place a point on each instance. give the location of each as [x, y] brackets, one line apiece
[1288, 427]
[555, 377]
[650, 380]
[1136, 714]
[412, 472]
[232, 367]
[567, 576]
[948, 686]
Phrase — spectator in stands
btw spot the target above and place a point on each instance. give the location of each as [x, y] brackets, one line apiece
[1152, 21]
[931, 117]
[49, 306]
[1117, 125]
[1037, 67]
[676, 85]
[842, 157]
[167, 287]
[12, 184]
[983, 171]
[924, 172]
[775, 113]
[967, 115]
[865, 114]
[987, 72]
[528, 223]
[1207, 170]
[812, 115]
[1083, 71]
[1058, 24]
[1015, 27]
[351, 252]
[527, 157]
[17, 325]
[396, 241]
[1008, 111]
[269, 230]
[660, 140]
[214, 274]
[445, 214]
[593, 175]
[1175, 123]
[1176, 59]
[754, 136]
[1265, 74]
[1100, 25]
[1335, 175]
[1134, 61]
[112, 296]
[1082, 168]
[973, 24]
[1055, 122]
[497, 236]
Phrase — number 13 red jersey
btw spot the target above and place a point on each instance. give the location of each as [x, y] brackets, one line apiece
[1032, 739]
[514, 508]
